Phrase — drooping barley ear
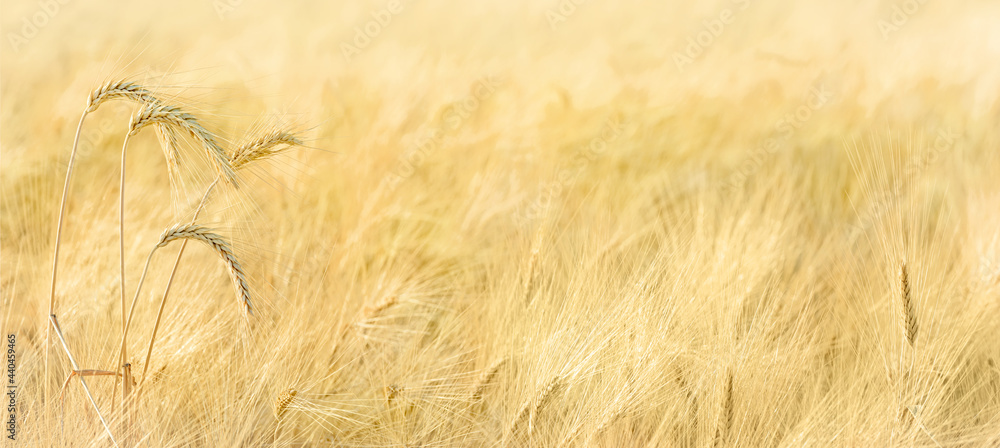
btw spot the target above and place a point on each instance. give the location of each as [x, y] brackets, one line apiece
[375, 310]
[908, 314]
[529, 279]
[173, 116]
[121, 89]
[262, 147]
[221, 247]
[128, 90]
[282, 402]
[486, 379]
[532, 408]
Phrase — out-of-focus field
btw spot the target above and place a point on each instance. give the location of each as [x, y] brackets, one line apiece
[516, 223]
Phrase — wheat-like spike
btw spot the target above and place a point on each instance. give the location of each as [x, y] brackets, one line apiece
[124, 89]
[194, 232]
[120, 89]
[262, 147]
[485, 379]
[173, 116]
[907, 309]
[529, 280]
[374, 310]
[547, 396]
[727, 410]
[540, 402]
[282, 402]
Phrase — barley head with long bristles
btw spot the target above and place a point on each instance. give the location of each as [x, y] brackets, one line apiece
[486, 379]
[221, 247]
[262, 147]
[908, 314]
[282, 402]
[117, 90]
[173, 116]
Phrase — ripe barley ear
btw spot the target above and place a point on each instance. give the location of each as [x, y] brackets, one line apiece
[221, 247]
[486, 379]
[171, 116]
[283, 401]
[908, 313]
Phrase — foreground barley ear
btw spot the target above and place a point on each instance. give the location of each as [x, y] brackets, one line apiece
[908, 315]
[221, 247]
[128, 90]
[282, 402]
[173, 116]
[263, 147]
[121, 89]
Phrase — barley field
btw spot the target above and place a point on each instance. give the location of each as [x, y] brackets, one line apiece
[554, 223]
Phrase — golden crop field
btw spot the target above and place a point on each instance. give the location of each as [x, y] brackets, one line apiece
[553, 223]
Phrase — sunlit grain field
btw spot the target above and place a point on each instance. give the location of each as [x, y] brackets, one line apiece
[560, 223]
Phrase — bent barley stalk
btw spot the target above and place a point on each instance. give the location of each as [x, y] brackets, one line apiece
[191, 232]
[112, 90]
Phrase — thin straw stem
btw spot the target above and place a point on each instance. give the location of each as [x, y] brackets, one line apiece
[55, 253]
[170, 281]
[121, 250]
